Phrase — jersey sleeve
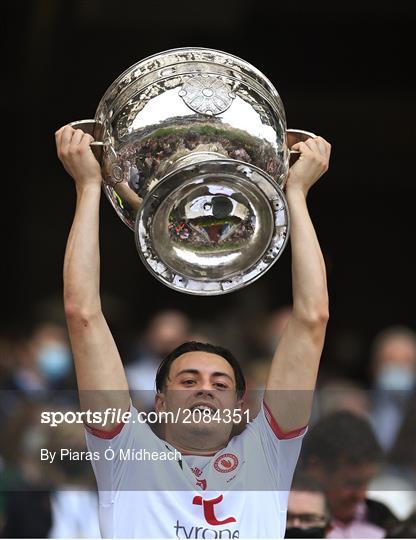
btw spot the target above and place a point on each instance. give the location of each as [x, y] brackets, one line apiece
[113, 469]
[272, 449]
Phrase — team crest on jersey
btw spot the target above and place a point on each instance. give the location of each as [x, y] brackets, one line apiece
[226, 463]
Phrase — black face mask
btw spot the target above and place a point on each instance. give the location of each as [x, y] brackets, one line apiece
[312, 532]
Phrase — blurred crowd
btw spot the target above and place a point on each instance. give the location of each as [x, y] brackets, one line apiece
[357, 472]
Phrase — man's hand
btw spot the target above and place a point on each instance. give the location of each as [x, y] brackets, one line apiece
[74, 151]
[311, 165]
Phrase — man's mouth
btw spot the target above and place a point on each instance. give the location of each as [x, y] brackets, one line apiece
[204, 408]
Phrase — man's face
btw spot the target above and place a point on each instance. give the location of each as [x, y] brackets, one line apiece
[397, 351]
[306, 509]
[346, 488]
[201, 383]
[167, 330]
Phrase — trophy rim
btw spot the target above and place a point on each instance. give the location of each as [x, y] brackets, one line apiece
[269, 87]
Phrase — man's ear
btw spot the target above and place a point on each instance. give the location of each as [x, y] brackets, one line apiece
[160, 402]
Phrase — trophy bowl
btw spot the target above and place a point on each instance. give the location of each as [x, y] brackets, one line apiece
[194, 154]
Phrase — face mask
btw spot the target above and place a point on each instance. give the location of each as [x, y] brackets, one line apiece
[312, 532]
[396, 378]
[54, 362]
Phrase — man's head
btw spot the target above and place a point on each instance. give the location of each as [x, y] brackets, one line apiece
[203, 378]
[342, 453]
[307, 513]
[394, 359]
[166, 330]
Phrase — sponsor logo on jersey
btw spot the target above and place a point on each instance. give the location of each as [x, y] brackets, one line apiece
[226, 463]
[209, 514]
[208, 505]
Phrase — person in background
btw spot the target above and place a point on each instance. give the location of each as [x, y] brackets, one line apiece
[166, 330]
[342, 453]
[404, 529]
[73, 499]
[341, 394]
[44, 360]
[308, 511]
[393, 368]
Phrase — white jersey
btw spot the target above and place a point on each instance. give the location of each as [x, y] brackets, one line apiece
[240, 492]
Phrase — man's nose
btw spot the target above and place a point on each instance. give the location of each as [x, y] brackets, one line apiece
[205, 390]
[296, 522]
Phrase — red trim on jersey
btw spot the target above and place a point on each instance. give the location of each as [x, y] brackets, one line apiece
[199, 455]
[276, 429]
[102, 434]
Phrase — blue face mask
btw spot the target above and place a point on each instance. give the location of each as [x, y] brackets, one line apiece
[54, 362]
[397, 378]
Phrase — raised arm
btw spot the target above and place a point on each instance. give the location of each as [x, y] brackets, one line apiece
[99, 370]
[292, 377]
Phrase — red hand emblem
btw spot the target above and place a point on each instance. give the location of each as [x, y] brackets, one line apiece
[208, 505]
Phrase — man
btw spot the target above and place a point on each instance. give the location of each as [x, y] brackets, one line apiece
[222, 486]
[393, 370]
[307, 511]
[166, 330]
[342, 453]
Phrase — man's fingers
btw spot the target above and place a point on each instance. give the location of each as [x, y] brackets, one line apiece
[76, 137]
[318, 147]
[58, 136]
[87, 139]
[324, 146]
[321, 145]
[313, 145]
[301, 147]
[66, 137]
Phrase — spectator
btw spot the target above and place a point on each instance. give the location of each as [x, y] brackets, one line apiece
[166, 331]
[341, 395]
[405, 529]
[43, 360]
[308, 512]
[393, 369]
[342, 453]
[74, 501]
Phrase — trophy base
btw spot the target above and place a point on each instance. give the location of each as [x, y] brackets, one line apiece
[212, 226]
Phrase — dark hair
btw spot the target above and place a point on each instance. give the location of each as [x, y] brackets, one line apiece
[303, 482]
[191, 346]
[341, 436]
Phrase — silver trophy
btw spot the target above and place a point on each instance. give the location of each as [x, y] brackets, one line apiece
[195, 153]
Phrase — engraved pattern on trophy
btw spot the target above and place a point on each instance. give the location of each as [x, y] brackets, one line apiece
[194, 161]
[207, 95]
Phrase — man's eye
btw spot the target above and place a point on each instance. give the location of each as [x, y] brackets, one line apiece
[188, 382]
[221, 385]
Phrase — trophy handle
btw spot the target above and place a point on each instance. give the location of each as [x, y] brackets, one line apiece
[294, 136]
[94, 129]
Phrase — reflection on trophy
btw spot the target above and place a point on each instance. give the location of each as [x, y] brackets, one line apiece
[195, 153]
